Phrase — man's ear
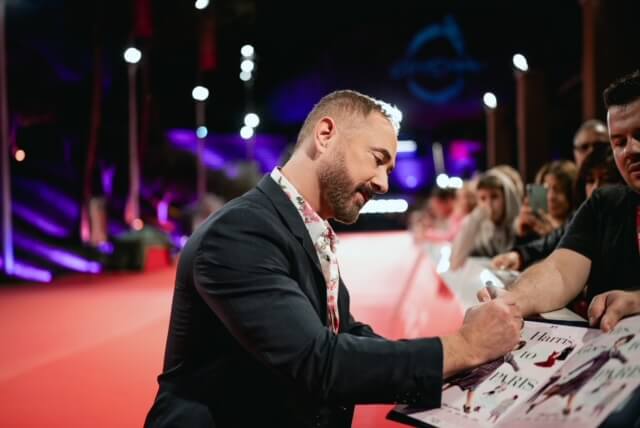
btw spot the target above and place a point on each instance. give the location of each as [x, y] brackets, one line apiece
[324, 134]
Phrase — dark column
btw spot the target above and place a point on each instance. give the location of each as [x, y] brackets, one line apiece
[531, 121]
[610, 48]
[499, 145]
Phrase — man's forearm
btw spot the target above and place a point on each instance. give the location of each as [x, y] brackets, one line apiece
[544, 287]
[457, 355]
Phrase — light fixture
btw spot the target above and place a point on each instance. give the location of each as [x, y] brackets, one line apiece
[490, 100]
[520, 62]
[201, 4]
[252, 120]
[200, 93]
[442, 180]
[20, 155]
[246, 132]
[247, 65]
[247, 51]
[132, 55]
[455, 182]
[385, 206]
[407, 146]
[202, 131]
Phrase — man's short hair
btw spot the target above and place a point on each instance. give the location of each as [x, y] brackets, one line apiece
[348, 102]
[623, 91]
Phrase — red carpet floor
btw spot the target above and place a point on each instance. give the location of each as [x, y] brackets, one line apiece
[85, 351]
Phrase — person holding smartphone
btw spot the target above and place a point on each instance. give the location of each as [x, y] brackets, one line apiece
[549, 202]
[597, 170]
[601, 247]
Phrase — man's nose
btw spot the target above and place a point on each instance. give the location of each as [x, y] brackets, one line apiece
[633, 146]
[381, 183]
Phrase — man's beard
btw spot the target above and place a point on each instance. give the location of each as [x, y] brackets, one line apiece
[336, 188]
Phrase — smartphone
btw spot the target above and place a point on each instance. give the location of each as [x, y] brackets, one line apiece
[537, 197]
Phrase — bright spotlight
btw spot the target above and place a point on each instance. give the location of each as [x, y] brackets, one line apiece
[520, 62]
[442, 180]
[246, 132]
[202, 4]
[247, 65]
[202, 131]
[132, 55]
[252, 120]
[455, 182]
[245, 76]
[407, 146]
[247, 51]
[20, 155]
[385, 206]
[200, 93]
[490, 100]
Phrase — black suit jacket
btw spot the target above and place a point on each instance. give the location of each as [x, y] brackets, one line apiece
[248, 340]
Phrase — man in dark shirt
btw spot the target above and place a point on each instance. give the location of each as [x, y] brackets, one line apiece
[601, 247]
[261, 333]
[598, 169]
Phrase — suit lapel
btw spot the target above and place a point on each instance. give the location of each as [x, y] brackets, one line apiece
[290, 215]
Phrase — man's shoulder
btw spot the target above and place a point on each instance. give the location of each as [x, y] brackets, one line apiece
[612, 196]
[252, 207]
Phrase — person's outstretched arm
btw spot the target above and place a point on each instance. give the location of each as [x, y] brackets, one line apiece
[548, 285]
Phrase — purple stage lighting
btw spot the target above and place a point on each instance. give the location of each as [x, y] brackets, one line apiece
[411, 173]
[58, 256]
[29, 273]
[62, 203]
[40, 221]
[227, 151]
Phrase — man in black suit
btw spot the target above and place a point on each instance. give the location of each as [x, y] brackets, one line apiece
[260, 331]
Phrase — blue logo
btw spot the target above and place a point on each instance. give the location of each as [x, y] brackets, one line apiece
[448, 71]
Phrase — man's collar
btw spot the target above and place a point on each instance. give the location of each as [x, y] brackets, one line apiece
[283, 205]
[290, 216]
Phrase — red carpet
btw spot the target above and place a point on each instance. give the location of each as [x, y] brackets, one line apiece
[85, 351]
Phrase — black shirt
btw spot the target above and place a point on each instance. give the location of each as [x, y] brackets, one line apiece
[537, 250]
[604, 230]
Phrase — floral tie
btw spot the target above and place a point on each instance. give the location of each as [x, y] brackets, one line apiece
[326, 249]
[324, 241]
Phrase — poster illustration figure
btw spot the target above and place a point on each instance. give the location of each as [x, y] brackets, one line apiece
[571, 387]
[501, 408]
[602, 404]
[470, 379]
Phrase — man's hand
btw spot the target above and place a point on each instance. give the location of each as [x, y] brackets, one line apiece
[489, 331]
[490, 292]
[608, 308]
[492, 329]
[507, 261]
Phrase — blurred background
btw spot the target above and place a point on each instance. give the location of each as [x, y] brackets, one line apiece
[88, 132]
[125, 123]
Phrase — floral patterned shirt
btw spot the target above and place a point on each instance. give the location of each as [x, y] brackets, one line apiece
[324, 241]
